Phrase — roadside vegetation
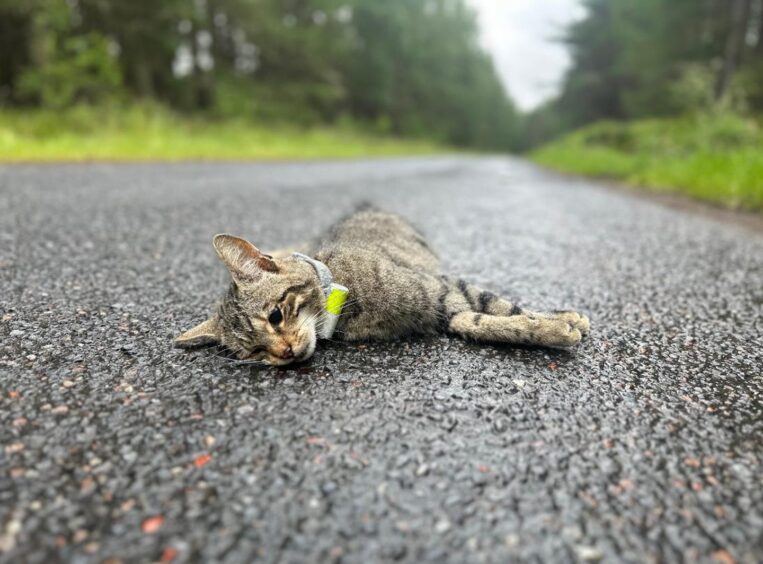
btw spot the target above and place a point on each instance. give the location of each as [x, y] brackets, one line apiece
[664, 94]
[152, 132]
[182, 79]
[716, 158]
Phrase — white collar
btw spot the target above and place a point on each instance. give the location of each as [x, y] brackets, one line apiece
[336, 294]
[323, 272]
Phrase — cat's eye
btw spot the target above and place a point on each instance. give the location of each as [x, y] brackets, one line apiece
[275, 316]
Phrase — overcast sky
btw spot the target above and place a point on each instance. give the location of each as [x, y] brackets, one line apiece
[520, 34]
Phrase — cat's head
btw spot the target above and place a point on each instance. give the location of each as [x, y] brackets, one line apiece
[271, 311]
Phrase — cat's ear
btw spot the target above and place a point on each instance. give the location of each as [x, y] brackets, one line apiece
[207, 333]
[244, 260]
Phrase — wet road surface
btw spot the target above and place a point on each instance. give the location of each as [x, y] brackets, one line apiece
[643, 445]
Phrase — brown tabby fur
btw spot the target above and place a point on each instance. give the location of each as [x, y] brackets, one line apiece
[396, 288]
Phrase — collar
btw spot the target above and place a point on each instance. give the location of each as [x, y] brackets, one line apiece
[336, 295]
[323, 272]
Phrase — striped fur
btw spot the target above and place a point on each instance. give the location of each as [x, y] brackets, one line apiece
[396, 289]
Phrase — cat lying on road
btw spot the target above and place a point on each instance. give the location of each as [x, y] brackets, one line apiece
[278, 306]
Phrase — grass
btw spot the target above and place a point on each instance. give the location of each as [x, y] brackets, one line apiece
[717, 158]
[149, 132]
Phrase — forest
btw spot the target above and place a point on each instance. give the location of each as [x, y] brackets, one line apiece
[665, 94]
[653, 58]
[407, 68]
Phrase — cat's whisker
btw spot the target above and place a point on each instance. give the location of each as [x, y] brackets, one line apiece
[228, 355]
[309, 318]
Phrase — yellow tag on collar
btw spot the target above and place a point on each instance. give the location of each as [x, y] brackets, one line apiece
[334, 304]
[336, 299]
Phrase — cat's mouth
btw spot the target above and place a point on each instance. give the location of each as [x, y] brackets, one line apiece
[302, 355]
[278, 361]
[306, 350]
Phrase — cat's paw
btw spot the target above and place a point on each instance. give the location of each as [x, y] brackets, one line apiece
[571, 337]
[560, 333]
[577, 320]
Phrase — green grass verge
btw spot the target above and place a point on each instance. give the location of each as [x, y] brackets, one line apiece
[716, 158]
[149, 132]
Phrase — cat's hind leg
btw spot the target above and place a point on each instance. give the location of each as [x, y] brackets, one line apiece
[555, 332]
[575, 319]
[485, 301]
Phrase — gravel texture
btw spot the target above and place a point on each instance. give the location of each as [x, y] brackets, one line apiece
[643, 445]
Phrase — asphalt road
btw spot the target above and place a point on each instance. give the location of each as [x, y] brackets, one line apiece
[643, 445]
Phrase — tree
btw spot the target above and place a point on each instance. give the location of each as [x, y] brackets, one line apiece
[642, 58]
[417, 65]
[409, 66]
[735, 42]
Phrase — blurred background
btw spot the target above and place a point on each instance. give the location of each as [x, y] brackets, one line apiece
[659, 93]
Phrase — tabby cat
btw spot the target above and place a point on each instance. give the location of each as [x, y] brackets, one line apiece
[275, 309]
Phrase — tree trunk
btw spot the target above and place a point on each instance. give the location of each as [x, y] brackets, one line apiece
[200, 79]
[219, 47]
[144, 80]
[740, 15]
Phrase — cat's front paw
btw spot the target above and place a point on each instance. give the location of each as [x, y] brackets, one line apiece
[559, 333]
[576, 320]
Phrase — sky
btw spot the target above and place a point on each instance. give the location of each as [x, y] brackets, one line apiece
[520, 35]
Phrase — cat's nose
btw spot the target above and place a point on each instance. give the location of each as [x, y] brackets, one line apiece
[287, 352]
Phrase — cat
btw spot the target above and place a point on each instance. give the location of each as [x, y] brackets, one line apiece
[275, 309]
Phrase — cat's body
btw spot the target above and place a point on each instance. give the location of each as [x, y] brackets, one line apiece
[396, 289]
[393, 276]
